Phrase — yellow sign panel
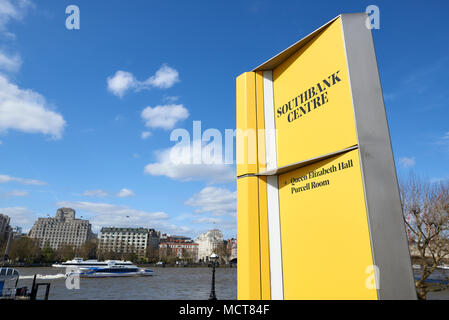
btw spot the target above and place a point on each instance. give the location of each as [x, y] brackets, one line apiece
[312, 100]
[248, 254]
[253, 253]
[325, 235]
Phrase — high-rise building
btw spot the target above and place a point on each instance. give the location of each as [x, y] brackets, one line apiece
[16, 232]
[62, 230]
[4, 226]
[153, 238]
[208, 243]
[126, 240]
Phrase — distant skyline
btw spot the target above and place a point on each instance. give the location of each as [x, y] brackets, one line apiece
[86, 115]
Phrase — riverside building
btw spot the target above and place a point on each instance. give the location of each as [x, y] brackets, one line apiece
[64, 229]
[4, 226]
[179, 247]
[153, 238]
[208, 243]
[127, 240]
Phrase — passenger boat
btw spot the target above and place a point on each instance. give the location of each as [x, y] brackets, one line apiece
[79, 262]
[111, 270]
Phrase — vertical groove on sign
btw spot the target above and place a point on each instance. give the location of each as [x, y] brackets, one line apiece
[257, 89]
[264, 245]
[264, 240]
[270, 130]
[274, 231]
[274, 226]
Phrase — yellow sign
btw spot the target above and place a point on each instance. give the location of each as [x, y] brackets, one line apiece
[322, 214]
[312, 100]
[318, 207]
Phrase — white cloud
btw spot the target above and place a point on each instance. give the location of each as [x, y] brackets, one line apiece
[439, 180]
[218, 201]
[106, 215]
[229, 225]
[164, 78]
[145, 134]
[207, 220]
[122, 81]
[16, 193]
[217, 223]
[124, 193]
[20, 216]
[165, 116]
[10, 63]
[171, 228]
[5, 178]
[171, 99]
[177, 163]
[406, 162]
[212, 202]
[12, 10]
[26, 110]
[95, 193]
[444, 140]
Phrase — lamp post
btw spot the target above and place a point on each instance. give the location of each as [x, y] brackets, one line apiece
[214, 259]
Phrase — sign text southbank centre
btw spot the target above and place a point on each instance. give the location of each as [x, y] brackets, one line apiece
[308, 100]
[319, 213]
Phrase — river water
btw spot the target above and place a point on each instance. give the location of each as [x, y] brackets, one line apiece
[165, 284]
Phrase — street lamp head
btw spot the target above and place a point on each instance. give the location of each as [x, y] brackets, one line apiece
[214, 257]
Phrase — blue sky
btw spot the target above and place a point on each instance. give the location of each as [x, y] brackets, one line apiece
[86, 130]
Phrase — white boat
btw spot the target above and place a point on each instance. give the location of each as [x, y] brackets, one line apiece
[79, 262]
[110, 270]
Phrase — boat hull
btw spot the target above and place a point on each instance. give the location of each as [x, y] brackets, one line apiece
[116, 275]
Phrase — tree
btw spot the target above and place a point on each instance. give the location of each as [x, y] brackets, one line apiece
[88, 250]
[152, 254]
[109, 255]
[24, 250]
[168, 254]
[223, 252]
[65, 252]
[131, 256]
[426, 214]
[48, 254]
